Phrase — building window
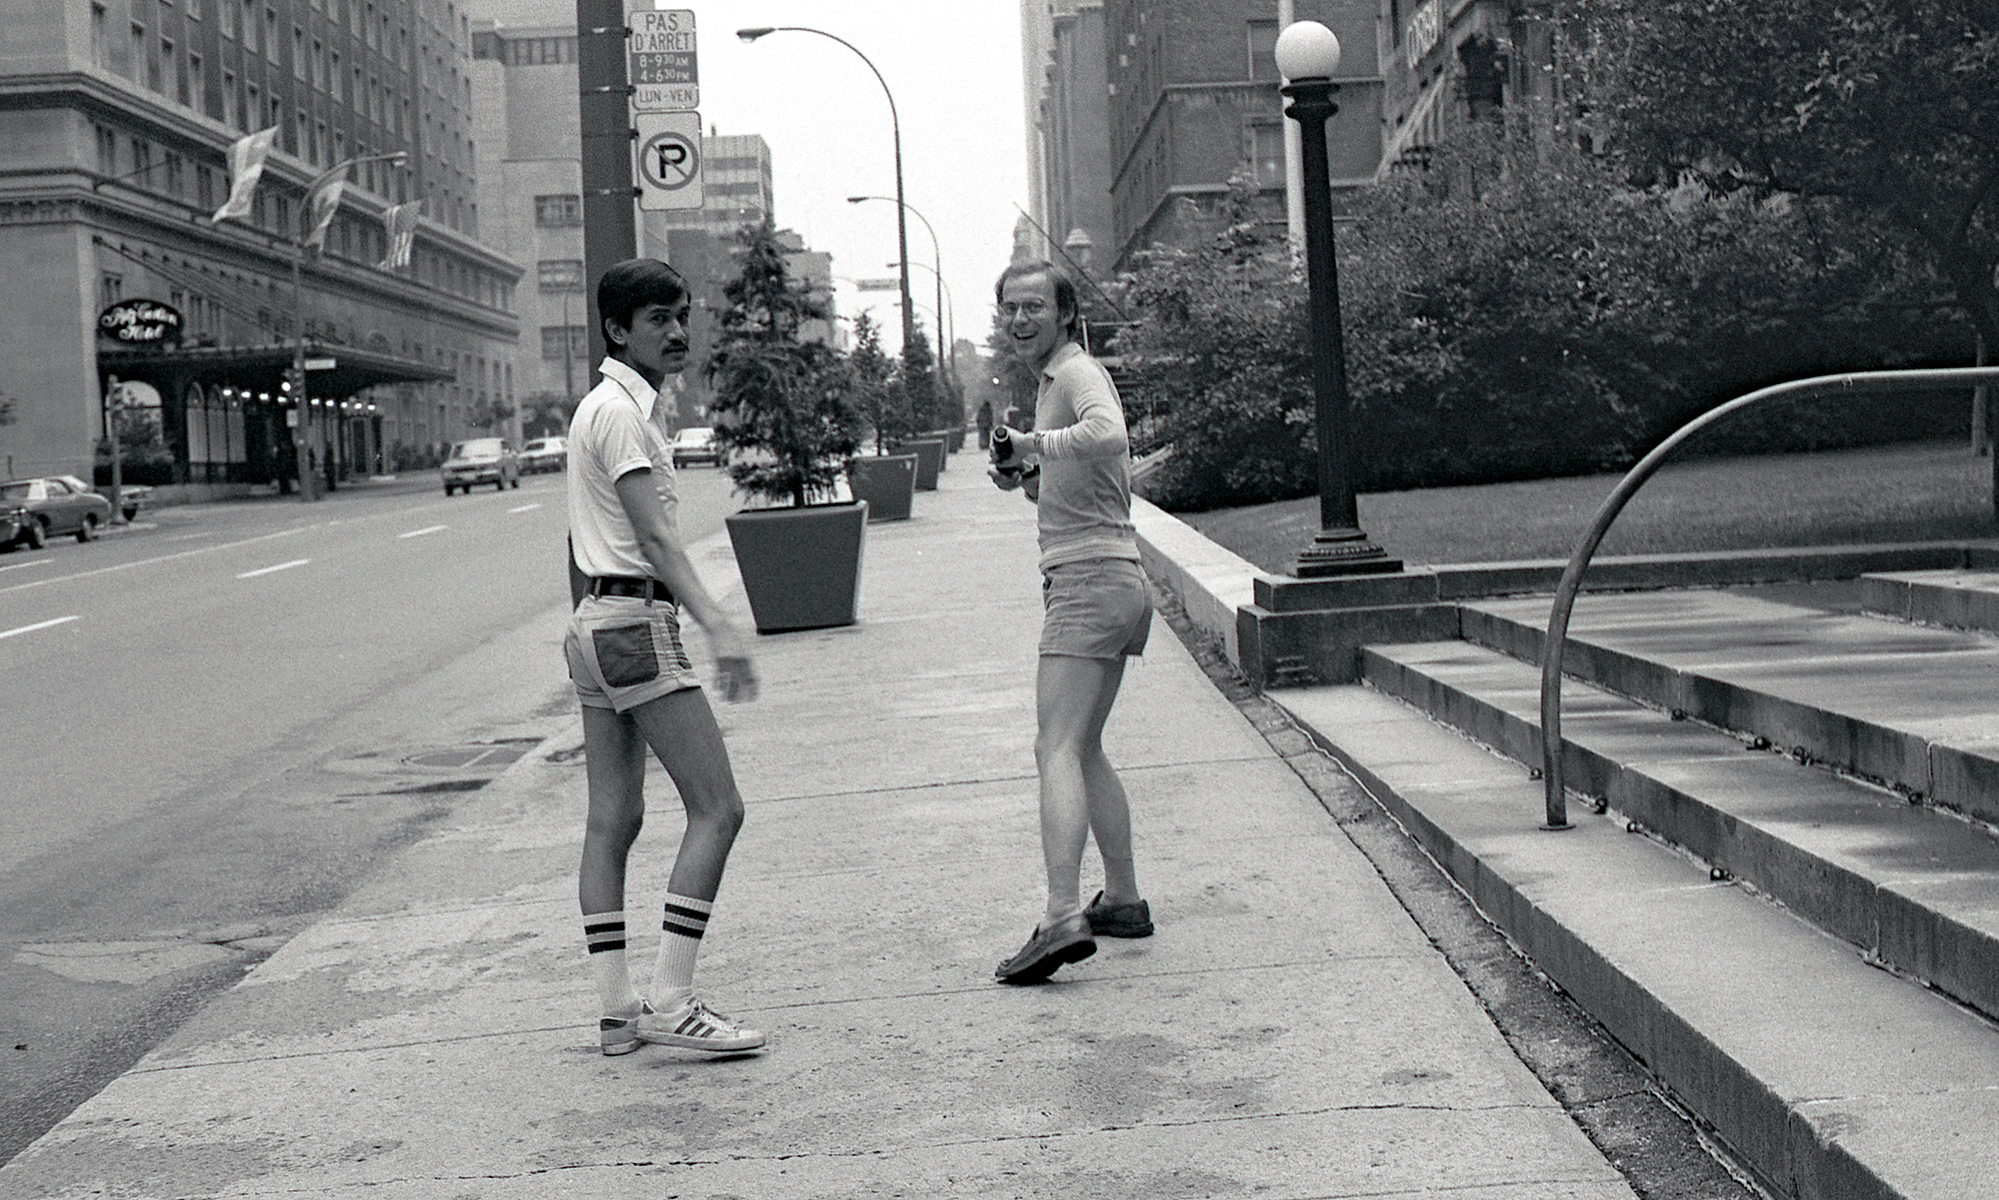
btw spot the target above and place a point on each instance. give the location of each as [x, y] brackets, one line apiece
[107, 151]
[111, 289]
[1263, 52]
[1267, 152]
[556, 211]
[552, 342]
[561, 274]
[197, 80]
[231, 112]
[99, 21]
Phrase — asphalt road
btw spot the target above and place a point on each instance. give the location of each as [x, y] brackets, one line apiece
[219, 720]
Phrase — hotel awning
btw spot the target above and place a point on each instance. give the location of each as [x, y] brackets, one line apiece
[333, 372]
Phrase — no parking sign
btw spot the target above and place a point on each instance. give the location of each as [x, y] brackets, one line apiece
[669, 160]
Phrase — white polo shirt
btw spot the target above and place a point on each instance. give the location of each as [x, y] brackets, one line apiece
[616, 430]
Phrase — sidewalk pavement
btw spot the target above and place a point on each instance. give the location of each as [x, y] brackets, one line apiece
[1289, 1031]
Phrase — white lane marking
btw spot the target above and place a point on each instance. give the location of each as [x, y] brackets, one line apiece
[296, 562]
[420, 532]
[147, 562]
[523, 508]
[33, 562]
[39, 625]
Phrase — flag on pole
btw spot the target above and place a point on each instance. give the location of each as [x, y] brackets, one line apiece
[400, 221]
[325, 202]
[246, 166]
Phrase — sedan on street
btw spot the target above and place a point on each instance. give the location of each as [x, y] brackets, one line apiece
[131, 497]
[696, 443]
[545, 454]
[18, 527]
[59, 507]
[481, 460]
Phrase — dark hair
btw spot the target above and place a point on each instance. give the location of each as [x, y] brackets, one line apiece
[1065, 290]
[626, 287]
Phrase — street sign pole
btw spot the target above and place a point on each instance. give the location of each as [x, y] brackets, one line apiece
[114, 405]
[610, 224]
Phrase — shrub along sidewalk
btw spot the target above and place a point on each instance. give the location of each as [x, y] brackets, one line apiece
[1921, 492]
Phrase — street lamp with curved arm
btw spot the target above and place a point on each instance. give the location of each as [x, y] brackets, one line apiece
[895, 123]
[947, 309]
[301, 432]
[937, 255]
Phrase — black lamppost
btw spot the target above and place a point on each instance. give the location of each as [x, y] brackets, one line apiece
[1308, 54]
[895, 122]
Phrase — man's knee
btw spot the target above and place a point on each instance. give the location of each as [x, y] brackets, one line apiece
[616, 826]
[722, 813]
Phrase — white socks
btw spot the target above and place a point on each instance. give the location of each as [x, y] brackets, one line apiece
[604, 934]
[686, 919]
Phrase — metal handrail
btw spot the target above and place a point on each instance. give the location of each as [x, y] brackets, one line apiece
[1555, 646]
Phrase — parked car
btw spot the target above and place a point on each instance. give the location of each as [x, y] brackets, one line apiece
[131, 496]
[59, 507]
[696, 443]
[18, 527]
[481, 460]
[545, 454]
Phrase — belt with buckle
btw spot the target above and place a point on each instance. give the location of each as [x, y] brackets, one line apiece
[638, 587]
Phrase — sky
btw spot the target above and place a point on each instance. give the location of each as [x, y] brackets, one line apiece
[955, 72]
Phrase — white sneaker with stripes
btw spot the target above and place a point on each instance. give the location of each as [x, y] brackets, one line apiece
[694, 1026]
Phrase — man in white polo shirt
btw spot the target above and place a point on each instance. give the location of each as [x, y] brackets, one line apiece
[637, 687]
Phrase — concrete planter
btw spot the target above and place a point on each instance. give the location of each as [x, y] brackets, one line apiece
[887, 483]
[929, 452]
[801, 567]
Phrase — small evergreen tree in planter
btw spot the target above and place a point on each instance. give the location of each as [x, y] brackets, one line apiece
[882, 400]
[887, 482]
[786, 422]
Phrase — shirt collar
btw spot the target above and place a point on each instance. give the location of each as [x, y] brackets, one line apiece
[1063, 353]
[635, 384]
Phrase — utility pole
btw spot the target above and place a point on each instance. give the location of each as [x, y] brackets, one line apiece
[610, 218]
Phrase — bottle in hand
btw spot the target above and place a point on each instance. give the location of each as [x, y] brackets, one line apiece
[1003, 450]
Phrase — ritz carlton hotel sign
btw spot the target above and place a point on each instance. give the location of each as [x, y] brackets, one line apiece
[141, 323]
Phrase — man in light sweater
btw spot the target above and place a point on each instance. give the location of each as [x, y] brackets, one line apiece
[1076, 467]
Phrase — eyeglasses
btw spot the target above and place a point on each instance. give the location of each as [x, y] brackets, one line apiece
[1027, 308]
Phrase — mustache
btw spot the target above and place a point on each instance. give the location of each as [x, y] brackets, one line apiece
[675, 348]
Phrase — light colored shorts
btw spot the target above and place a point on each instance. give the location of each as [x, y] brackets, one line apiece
[624, 651]
[1096, 608]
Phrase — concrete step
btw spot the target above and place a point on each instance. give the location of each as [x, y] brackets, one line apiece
[1961, 599]
[1914, 709]
[1909, 886]
[1827, 1076]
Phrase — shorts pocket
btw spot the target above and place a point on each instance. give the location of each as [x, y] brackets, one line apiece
[625, 655]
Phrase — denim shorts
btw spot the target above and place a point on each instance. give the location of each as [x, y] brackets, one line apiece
[624, 651]
[1096, 608]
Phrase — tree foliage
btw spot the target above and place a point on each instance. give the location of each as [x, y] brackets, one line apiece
[1222, 333]
[1515, 310]
[1887, 108]
[877, 385]
[918, 380]
[784, 408]
[546, 414]
[490, 414]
